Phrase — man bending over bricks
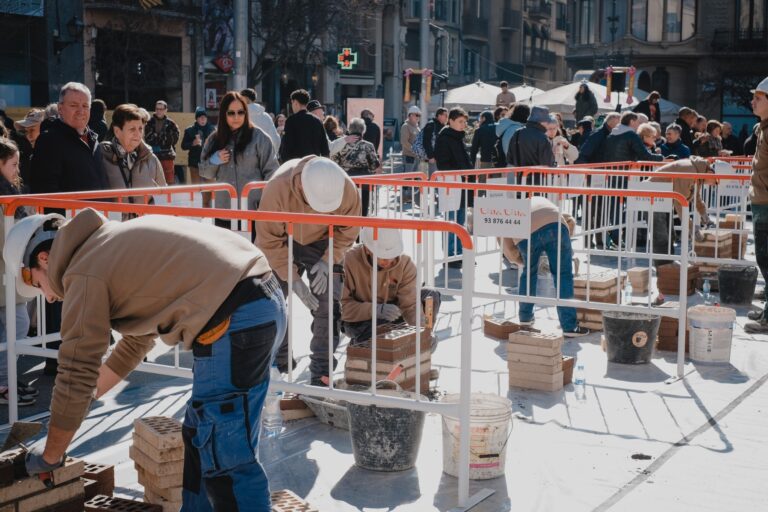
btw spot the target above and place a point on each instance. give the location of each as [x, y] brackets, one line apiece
[396, 286]
[215, 294]
[315, 185]
[546, 225]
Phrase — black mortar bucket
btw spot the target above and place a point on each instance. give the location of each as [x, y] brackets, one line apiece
[736, 284]
[384, 438]
[630, 337]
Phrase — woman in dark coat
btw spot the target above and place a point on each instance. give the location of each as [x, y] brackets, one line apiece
[650, 107]
[586, 103]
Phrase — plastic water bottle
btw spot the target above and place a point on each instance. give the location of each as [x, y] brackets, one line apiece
[706, 288]
[628, 293]
[580, 382]
[272, 418]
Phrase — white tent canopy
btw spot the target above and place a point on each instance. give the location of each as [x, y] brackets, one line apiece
[562, 99]
[480, 95]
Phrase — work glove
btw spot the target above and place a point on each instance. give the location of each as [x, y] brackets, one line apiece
[301, 289]
[389, 312]
[320, 277]
[35, 464]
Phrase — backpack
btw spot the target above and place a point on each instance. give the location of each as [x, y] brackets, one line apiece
[418, 146]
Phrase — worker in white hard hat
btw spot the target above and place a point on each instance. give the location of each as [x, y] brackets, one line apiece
[313, 185]
[215, 294]
[408, 133]
[396, 297]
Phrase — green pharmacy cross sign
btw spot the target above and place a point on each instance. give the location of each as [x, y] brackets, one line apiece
[347, 59]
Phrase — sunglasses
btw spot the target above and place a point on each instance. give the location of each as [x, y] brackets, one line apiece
[233, 113]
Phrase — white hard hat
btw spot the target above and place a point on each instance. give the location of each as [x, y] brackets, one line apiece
[323, 182]
[721, 167]
[22, 239]
[389, 244]
[413, 109]
[761, 87]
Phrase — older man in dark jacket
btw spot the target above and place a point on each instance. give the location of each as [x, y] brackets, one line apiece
[530, 146]
[625, 145]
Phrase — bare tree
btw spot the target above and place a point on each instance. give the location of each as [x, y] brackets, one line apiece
[298, 31]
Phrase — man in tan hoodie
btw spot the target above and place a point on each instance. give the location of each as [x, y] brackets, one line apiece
[214, 293]
[314, 185]
[395, 289]
[688, 188]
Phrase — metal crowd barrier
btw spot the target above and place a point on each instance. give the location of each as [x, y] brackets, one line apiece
[420, 227]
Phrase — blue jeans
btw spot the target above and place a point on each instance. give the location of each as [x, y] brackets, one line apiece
[22, 326]
[454, 244]
[544, 240]
[760, 232]
[223, 416]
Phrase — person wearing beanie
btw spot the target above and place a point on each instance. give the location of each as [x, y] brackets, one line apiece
[314, 185]
[530, 146]
[194, 138]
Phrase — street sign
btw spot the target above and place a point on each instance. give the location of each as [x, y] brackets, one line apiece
[347, 59]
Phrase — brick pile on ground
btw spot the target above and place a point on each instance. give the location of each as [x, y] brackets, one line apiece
[640, 279]
[158, 454]
[738, 238]
[667, 337]
[22, 493]
[604, 287]
[395, 345]
[668, 281]
[499, 328]
[720, 240]
[101, 503]
[535, 360]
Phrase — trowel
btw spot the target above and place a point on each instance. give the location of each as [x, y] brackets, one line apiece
[20, 432]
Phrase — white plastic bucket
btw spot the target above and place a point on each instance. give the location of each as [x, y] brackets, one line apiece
[490, 429]
[711, 329]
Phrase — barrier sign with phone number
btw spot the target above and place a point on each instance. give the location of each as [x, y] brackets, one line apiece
[502, 217]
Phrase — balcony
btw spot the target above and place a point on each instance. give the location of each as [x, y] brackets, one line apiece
[725, 41]
[473, 27]
[539, 9]
[511, 20]
[177, 8]
[539, 57]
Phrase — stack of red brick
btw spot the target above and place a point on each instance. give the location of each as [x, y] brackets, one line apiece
[22, 493]
[667, 338]
[158, 454]
[668, 278]
[604, 287]
[535, 361]
[395, 345]
[286, 501]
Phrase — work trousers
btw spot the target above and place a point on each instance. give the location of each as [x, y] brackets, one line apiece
[223, 417]
[760, 231]
[304, 258]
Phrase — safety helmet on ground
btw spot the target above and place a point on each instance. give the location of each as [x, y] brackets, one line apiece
[721, 167]
[388, 245]
[323, 182]
[21, 241]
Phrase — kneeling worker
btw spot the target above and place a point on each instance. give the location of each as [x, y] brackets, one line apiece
[546, 222]
[215, 294]
[396, 286]
[311, 185]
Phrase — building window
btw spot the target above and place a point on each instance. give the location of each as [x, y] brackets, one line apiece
[663, 20]
[751, 19]
[614, 20]
[585, 13]
[562, 17]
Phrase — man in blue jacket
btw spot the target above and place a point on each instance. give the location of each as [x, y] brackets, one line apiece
[592, 150]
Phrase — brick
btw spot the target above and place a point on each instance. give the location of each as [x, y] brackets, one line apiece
[527, 358]
[8, 508]
[156, 468]
[158, 482]
[168, 493]
[91, 488]
[75, 505]
[568, 363]
[159, 431]
[296, 414]
[293, 408]
[103, 474]
[286, 501]
[103, 503]
[599, 281]
[49, 498]
[167, 505]
[514, 348]
[531, 384]
[535, 368]
[159, 456]
[553, 378]
[394, 336]
[606, 293]
[537, 339]
[72, 470]
[498, 327]
[593, 326]
[363, 351]
[409, 384]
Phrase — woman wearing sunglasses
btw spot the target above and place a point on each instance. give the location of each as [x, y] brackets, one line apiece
[237, 153]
